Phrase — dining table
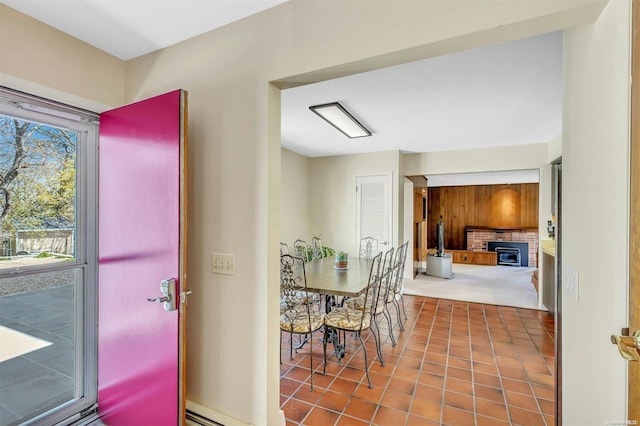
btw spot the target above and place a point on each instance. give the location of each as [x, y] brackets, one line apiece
[325, 278]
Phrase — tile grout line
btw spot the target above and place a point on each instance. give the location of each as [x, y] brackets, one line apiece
[446, 369]
[504, 394]
[424, 354]
[473, 376]
[533, 393]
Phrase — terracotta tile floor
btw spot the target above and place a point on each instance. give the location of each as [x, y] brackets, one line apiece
[456, 363]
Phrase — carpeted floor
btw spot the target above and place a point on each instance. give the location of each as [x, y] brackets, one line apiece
[495, 285]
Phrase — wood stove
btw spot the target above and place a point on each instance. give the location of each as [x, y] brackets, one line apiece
[509, 256]
[519, 257]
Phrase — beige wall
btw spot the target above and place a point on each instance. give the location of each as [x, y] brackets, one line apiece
[333, 196]
[294, 199]
[518, 157]
[39, 59]
[555, 148]
[235, 170]
[595, 214]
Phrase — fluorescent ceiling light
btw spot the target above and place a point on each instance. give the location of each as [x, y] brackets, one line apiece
[338, 117]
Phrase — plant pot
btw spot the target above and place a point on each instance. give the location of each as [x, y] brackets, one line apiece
[342, 260]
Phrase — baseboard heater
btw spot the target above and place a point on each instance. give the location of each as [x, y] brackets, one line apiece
[201, 415]
[200, 420]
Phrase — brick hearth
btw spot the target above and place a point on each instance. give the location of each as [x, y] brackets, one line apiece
[477, 240]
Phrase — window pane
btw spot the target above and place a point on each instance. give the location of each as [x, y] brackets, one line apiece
[37, 194]
[41, 341]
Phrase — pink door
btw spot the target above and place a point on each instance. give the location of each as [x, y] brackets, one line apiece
[141, 244]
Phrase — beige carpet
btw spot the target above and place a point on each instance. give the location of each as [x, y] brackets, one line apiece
[494, 285]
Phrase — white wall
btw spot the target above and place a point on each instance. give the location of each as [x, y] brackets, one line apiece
[555, 148]
[294, 198]
[595, 214]
[332, 185]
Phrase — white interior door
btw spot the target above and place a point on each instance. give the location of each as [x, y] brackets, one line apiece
[374, 209]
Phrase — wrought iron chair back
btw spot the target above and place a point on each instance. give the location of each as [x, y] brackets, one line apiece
[316, 249]
[284, 249]
[301, 249]
[296, 315]
[293, 285]
[368, 247]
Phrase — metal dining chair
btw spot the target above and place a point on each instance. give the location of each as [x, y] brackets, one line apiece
[284, 249]
[316, 249]
[296, 316]
[368, 247]
[301, 249]
[355, 320]
[393, 291]
[399, 288]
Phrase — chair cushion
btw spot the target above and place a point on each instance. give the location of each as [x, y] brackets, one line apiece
[298, 322]
[358, 303]
[348, 319]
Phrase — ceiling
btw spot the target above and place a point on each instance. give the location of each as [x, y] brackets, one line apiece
[498, 95]
[131, 28]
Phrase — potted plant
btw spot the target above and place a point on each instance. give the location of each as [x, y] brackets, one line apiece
[342, 259]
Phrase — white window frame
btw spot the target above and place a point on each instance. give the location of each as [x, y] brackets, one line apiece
[85, 123]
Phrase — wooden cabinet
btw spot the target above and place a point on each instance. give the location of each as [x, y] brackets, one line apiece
[474, 257]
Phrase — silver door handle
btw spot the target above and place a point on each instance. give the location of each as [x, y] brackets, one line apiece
[384, 243]
[168, 288]
[160, 299]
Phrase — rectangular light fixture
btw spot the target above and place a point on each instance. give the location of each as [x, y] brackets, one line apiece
[335, 114]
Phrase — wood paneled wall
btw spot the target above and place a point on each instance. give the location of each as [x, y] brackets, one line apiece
[493, 206]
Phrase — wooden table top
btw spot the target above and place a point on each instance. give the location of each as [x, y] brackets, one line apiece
[323, 277]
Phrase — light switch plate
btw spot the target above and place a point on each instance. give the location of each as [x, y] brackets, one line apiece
[572, 283]
[222, 263]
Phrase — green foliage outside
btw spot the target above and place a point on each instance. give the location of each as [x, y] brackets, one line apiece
[37, 176]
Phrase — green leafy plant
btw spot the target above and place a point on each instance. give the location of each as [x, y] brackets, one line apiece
[328, 251]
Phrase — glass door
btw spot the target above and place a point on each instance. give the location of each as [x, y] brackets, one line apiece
[47, 261]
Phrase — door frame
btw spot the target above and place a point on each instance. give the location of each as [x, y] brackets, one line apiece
[633, 373]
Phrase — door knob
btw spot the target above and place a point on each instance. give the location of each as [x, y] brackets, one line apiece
[628, 345]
